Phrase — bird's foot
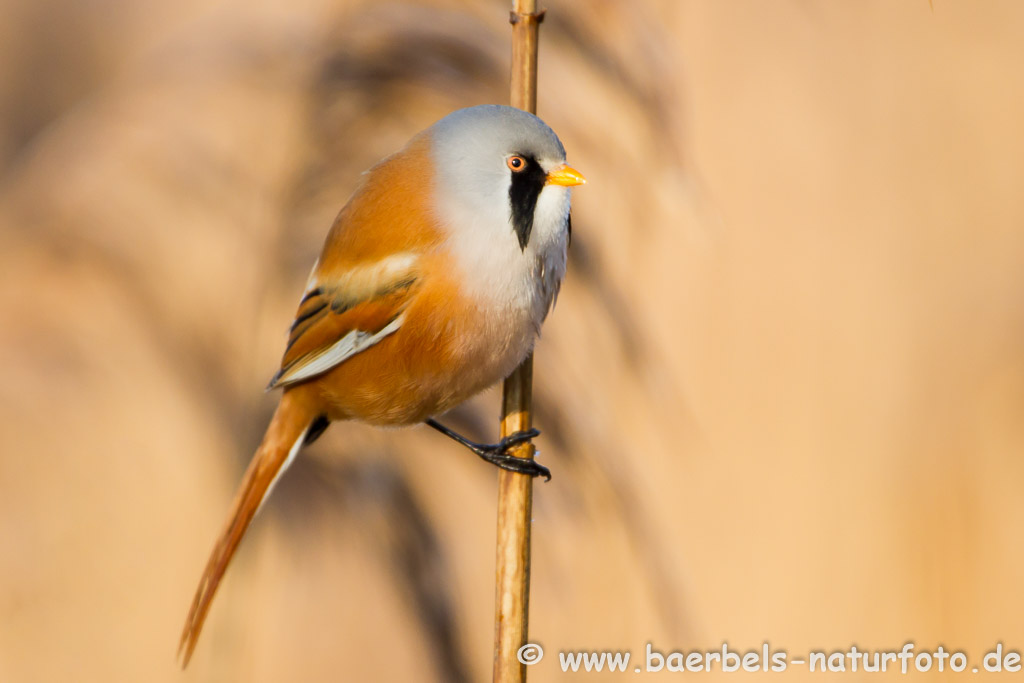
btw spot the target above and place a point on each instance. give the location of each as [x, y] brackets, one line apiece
[497, 453]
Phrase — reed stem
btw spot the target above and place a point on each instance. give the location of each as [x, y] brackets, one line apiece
[515, 491]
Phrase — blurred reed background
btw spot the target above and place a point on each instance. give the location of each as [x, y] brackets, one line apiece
[782, 392]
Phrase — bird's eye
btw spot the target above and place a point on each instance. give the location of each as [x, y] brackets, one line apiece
[516, 162]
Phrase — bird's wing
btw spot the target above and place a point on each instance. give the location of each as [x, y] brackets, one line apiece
[346, 312]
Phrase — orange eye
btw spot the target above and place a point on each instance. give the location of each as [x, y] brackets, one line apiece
[516, 163]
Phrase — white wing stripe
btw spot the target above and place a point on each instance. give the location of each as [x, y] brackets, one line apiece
[346, 347]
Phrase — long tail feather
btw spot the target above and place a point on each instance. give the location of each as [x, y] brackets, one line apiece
[284, 438]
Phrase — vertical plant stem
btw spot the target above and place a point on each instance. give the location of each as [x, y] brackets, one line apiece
[515, 491]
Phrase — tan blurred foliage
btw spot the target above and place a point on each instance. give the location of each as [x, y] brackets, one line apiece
[782, 392]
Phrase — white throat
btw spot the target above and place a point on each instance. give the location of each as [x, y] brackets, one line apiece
[495, 271]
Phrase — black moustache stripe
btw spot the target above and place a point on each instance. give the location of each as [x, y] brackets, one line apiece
[522, 193]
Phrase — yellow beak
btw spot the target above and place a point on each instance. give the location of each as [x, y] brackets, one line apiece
[566, 176]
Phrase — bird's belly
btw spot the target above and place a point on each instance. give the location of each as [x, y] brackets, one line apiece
[445, 353]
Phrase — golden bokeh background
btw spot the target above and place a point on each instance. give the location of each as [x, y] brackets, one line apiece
[782, 392]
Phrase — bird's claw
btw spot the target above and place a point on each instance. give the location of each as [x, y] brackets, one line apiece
[497, 454]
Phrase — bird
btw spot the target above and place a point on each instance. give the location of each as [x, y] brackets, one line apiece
[431, 286]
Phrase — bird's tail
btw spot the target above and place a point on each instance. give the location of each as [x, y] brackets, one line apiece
[288, 431]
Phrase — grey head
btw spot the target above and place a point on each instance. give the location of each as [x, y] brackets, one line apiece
[493, 163]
